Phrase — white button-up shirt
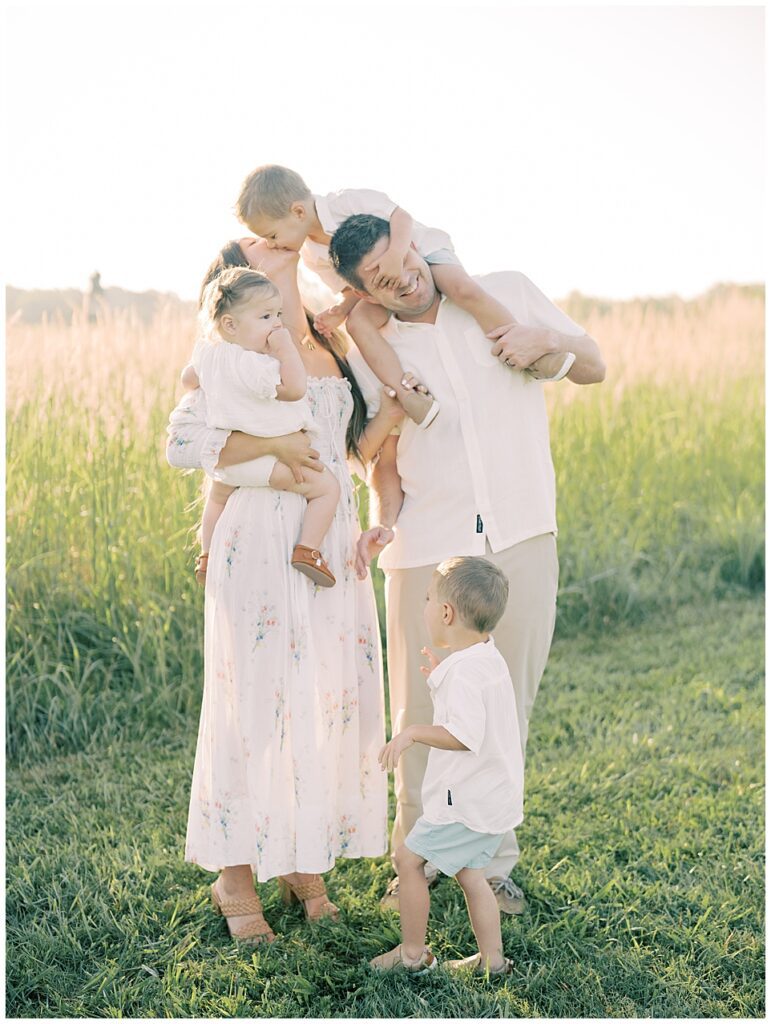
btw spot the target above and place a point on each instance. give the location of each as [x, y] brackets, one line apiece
[482, 787]
[482, 471]
[336, 207]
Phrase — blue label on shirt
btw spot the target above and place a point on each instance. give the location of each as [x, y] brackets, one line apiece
[480, 525]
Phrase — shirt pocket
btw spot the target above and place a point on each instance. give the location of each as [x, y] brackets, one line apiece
[480, 347]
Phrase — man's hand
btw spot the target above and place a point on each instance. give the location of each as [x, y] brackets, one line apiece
[433, 661]
[392, 751]
[271, 262]
[390, 270]
[371, 543]
[329, 319]
[294, 450]
[519, 347]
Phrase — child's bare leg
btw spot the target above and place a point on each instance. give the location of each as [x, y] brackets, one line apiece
[322, 492]
[414, 902]
[453, 281]
[485, 916]
[364, 324]
[212, 510]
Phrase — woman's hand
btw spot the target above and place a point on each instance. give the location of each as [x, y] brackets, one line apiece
[392, 751]
[294, 450]
[271, 262]
[433, 661]
[371, 543]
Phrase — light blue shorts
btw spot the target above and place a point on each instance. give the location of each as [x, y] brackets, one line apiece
[441, 256]
[452, 847]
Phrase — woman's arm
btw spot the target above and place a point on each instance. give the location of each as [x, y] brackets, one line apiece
[378, 429]
[294, 450]
[280, 265]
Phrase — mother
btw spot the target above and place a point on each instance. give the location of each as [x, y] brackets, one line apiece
[286, 775]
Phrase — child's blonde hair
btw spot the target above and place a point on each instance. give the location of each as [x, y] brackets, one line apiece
[476, 588]
[269, 191]
[230, 289]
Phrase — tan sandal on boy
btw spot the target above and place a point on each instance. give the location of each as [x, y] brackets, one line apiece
[310, 562]
[253, 932]
[201, 564]
[299, 892]
[394, 960]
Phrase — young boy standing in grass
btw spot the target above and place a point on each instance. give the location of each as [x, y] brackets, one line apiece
[473, 787]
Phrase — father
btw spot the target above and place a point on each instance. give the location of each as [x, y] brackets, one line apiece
[479, 481]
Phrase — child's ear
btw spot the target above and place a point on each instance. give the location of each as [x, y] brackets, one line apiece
[448, 614]
[227, 324]
[298, 209]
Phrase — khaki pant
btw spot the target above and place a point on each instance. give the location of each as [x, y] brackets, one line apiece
[523, 637]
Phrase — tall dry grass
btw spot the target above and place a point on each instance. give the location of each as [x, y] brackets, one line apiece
[660, 484]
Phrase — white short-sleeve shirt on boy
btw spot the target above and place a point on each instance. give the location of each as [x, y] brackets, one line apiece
[336, 207]
[240, 387]
[482, 787]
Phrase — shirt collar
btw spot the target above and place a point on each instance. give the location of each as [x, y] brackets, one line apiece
[437, 677]
[326, 219]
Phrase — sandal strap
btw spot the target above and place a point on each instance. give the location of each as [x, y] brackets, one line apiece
[309, 890]
[253, 930]
[240, 907]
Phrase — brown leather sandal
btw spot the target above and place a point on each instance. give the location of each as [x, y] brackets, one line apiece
[310, 562]
[254, 932]
[201, 564]
[299, 892]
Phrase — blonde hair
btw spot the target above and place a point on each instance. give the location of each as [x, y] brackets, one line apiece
[476, 588]
[230, 289]
[269, 191]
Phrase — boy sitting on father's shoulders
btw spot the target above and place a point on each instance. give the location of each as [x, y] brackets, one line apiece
[479, 482]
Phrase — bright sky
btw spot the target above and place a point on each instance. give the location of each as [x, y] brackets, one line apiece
[615, 150]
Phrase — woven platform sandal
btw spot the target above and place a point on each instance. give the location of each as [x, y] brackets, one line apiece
[299, 892]
[310, 562]
[201, 564]
[253, 932]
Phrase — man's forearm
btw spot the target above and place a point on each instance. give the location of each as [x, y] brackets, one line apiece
[386, 495]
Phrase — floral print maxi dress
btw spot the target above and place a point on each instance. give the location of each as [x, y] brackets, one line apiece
[286, 775]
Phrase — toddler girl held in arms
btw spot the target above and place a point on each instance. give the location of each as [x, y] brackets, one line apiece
[254, 381]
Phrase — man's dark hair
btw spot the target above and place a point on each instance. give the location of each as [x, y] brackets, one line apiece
[355, 237]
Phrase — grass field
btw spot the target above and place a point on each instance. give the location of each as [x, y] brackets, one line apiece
[643, 834]
[643, 863]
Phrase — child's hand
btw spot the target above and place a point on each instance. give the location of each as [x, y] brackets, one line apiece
[279, 340]
[433, 661]
[390, 270]
[326, 321]
[391, 752]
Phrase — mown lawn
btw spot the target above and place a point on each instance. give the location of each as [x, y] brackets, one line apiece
[643, 862]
